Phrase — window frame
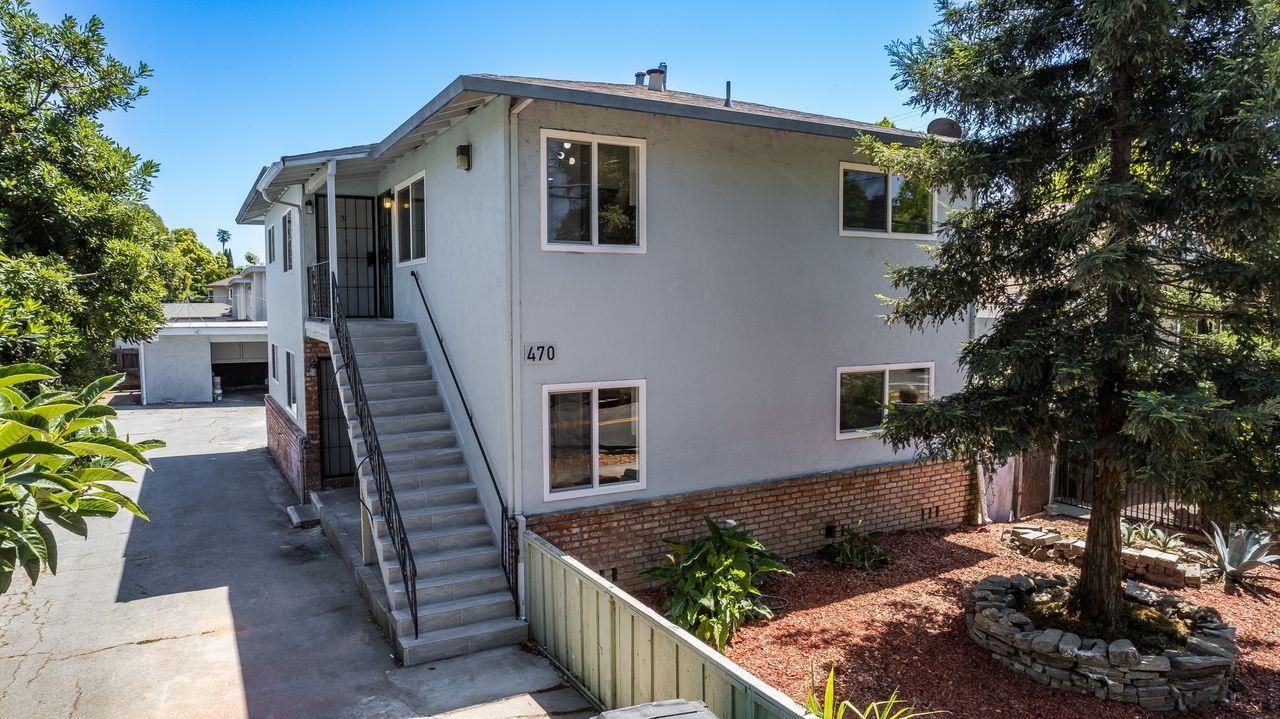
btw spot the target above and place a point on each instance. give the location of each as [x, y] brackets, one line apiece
[641, 440]
[271, 244]
[291, 395]
[275, 364]
[395, 220]
[888, 231]
[642, 194]
[884, 369]
[286, 240]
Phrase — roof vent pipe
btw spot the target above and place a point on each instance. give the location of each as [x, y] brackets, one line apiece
[728, 93]
[657, 79]
[640, 79]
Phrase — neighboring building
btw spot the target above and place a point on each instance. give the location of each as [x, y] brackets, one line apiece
[203, 340]
[658, 305]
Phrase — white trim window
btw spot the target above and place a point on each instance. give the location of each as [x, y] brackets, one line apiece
[593, 197]
[291, 392]
[593, 438]
[874, 203]
[275, 364]
[271, 244]
[409, 226]
[863, 394]
[286, 239]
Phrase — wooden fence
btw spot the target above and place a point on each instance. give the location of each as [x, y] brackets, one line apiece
[625, 653]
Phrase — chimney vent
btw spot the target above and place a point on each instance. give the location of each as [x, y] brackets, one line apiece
[658, 77]
[640, 79]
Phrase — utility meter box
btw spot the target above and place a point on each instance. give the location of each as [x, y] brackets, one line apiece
[671, 709]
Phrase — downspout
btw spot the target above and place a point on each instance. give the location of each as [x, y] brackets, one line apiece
[267, 178]
[513, 308]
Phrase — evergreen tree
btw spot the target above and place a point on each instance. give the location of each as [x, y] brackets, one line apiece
[1124, 163]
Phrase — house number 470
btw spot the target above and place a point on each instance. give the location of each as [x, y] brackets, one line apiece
[539, 353]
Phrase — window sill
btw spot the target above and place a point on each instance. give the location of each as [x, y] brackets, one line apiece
[411, 263]
[873, 235]
[857, 435]
[594, 249]
[591, 492]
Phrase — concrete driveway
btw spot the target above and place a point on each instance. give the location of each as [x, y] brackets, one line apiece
[217, 608]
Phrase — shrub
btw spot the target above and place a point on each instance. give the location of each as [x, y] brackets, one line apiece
[1238, 555]
[891, 708]
[713, 582]
[858, 549]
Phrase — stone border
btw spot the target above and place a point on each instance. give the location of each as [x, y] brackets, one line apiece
[1170, 681]
[1046, 545]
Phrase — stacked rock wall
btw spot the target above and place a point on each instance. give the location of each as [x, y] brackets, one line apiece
[1152, 565]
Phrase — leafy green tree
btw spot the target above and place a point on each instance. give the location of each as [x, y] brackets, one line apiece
[1124, 164]
[252, 259]
[192, 267]
[71, 199]
[59, 458]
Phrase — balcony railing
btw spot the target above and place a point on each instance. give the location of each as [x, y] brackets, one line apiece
[318, 292]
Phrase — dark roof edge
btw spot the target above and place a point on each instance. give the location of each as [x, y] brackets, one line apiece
[241, 219]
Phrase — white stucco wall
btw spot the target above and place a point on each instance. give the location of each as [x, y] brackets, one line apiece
[465, 277]
[285, 296]
[176, 369]
[737, 316]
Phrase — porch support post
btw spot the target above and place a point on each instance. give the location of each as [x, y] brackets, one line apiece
[331, 182]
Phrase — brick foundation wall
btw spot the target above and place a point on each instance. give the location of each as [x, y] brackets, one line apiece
[312, 351]
[790, 516]
[287, 445]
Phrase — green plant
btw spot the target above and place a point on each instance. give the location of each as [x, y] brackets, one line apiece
[713, 582]
[858, 549]
[828, 708]
[58, 454]
[1147, 534]
[1237, 556]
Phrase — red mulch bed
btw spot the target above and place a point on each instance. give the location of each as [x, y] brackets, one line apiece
[902, 627]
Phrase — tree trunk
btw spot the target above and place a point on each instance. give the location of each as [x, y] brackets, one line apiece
[1100, 593]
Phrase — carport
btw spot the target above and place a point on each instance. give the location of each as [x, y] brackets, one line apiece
[179, 363]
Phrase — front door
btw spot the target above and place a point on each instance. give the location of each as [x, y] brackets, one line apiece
[357, 263]
[337, 463]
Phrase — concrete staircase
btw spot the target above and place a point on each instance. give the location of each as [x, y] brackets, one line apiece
[464, 603]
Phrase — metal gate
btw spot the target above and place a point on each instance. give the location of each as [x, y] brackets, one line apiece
[1144, 501]
[357, 266]
[337, 462]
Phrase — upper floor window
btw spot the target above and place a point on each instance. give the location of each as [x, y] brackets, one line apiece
[410, 224]
[594, 196]
[875, 202]
[286, 237]
[863, 394]
[271, 244]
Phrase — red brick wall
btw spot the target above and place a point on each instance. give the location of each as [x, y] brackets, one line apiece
[287, 445]
[312, 351]
[789, 515]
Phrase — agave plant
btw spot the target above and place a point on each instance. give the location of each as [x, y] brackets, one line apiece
[829, 708]
[1165, 541]
[59, 458]
[1239, 555]
[1128, 533]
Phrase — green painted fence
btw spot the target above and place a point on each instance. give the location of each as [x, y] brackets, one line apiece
[625, 653]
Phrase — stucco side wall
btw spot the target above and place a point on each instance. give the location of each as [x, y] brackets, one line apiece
[177, 368]
[286, 296]
[739, 313]
[465, 277]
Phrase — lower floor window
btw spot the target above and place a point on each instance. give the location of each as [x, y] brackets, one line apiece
[291, 392]
[594, 437]
[863, 394]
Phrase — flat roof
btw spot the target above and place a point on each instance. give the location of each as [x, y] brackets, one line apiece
[467, 92]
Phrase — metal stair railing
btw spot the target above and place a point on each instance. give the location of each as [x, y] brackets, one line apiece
[373, 456]
[508, 561]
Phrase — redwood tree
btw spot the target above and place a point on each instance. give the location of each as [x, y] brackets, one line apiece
[1123, 161]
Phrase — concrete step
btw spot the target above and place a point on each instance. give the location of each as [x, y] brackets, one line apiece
[414, 459]
[407, 441]
[393, 390]
[381, 328]
[406, 358]
[381, 375]
[434, 517]
[398, 343]
[457, 613]
[401, 424]
[434, 496]
[435, 590]
[424, 541]
[440, 564]
[418, 479]
[398, 407]
[433, 646]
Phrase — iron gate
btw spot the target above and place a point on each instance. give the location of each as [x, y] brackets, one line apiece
[357, 266]
[337, 462]
[1144, 501]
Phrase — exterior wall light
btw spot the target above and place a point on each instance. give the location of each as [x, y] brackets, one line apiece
[464, 157]
[310, 207]
[387, 202]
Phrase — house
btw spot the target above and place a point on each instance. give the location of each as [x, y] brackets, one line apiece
[599, 311]
[203, 343]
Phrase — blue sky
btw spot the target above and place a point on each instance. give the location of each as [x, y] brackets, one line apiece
[238, 84]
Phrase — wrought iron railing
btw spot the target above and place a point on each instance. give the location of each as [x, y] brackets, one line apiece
[318, 283]
[509, 561]
[374, 459]
[1143, 501]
